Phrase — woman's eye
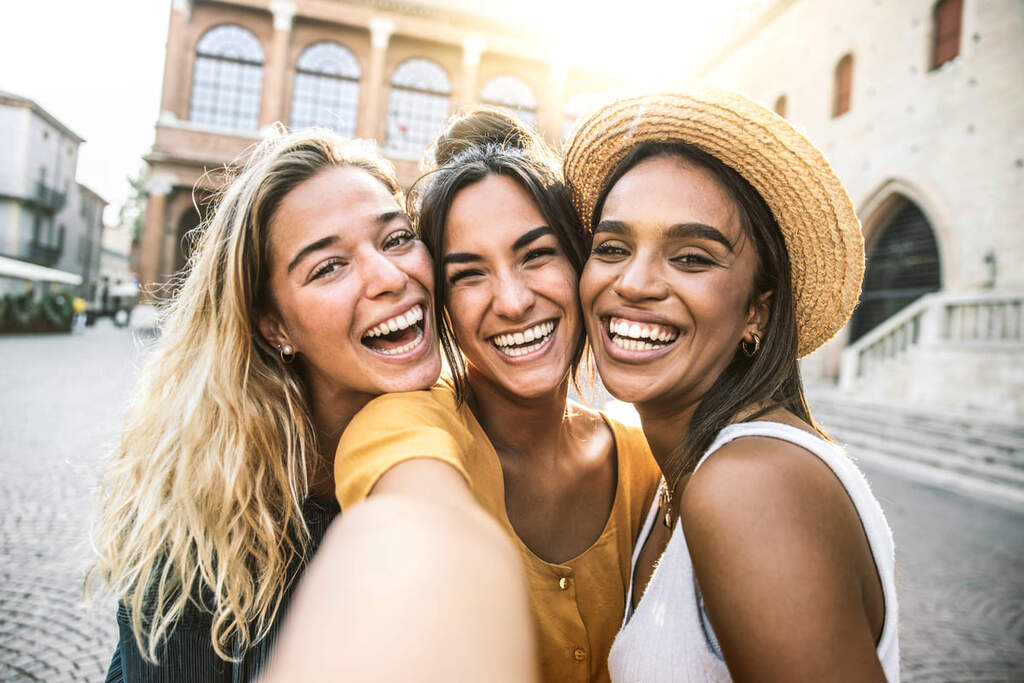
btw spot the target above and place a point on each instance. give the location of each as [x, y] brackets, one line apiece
[462, 275]
[609, 249]
[539, 252]
[693, 261]
[326, 268]
[398, 239]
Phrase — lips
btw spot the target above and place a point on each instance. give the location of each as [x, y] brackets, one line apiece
[396, 335]
[526, 341]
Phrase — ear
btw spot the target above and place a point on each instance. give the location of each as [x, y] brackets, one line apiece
[272, 329]
[759, 313]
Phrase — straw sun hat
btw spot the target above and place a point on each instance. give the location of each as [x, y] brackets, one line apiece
[813, 209]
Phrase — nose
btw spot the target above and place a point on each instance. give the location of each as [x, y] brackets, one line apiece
[640, 280]
[513, 297]
[382, 276]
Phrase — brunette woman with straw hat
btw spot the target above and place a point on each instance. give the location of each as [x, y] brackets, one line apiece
[308, 293]
[724, 247]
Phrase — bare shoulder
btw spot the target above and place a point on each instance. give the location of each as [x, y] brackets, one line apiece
[745, 475]
[783, 563]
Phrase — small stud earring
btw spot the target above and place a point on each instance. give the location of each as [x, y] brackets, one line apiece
[287, 353]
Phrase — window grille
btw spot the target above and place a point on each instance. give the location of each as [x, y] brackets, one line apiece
[326, 89]
[418, 107]
[512, 95]
[227, 79]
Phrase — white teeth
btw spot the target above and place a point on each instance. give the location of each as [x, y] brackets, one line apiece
[535, 337]
[622, 329]
[634, 344]
[404, 347]
[399, 322]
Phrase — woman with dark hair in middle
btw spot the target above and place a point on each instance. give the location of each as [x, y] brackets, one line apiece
[569, 484]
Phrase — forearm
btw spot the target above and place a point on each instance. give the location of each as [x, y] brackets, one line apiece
[404, 589]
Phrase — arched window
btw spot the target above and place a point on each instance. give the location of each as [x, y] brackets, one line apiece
[576, 107]
[418, 106]
[511, 94]
[227, 79]
[843, 86]
[946, 19]
[902, 265]
[781, 105]
[326, 89]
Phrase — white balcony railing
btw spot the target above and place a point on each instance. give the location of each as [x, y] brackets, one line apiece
[977, 320]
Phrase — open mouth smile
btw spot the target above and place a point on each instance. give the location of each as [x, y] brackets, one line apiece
[398, 335]
[636, 336]
[524, 342]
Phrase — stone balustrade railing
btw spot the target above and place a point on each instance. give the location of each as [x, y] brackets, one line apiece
[981, 320]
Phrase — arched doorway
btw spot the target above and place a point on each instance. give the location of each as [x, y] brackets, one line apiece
[902, 266]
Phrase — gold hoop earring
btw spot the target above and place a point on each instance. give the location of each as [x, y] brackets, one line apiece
[287, 353]
[751, 352]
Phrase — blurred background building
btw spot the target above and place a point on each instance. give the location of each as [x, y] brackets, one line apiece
[51, 226]
[914, 102]
[917, 105]
[383, 70]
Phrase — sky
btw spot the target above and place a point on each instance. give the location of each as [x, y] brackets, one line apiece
[98, 65]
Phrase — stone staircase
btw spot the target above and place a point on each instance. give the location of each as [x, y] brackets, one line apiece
[973, 454]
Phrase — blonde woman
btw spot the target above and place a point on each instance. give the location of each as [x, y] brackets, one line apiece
[307, 295]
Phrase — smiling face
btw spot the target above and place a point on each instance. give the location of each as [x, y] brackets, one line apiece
[351, 288]
[511, 289]
[667, 290]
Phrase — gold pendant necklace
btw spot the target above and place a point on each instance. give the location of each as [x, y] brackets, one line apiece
[665, 503]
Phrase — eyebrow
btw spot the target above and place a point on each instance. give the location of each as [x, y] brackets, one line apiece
[324, 242]
[523, 240]
[677, 231]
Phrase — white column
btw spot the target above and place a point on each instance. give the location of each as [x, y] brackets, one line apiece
[274, 75]
[371, 124]
[472, 48]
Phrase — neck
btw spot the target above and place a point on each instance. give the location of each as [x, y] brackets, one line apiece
[665, 427]
[331, 409]
[531, 427]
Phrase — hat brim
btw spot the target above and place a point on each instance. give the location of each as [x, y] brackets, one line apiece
[819, 226]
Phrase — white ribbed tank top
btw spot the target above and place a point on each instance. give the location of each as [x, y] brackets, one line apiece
[667, 638]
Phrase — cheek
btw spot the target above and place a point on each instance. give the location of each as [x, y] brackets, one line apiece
[559, 283]
[464, 305]
[418, 265]
[595, 278]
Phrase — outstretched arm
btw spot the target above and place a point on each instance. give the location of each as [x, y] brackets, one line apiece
[408, 589]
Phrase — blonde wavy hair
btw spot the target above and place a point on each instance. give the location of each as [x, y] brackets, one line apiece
[201, 502]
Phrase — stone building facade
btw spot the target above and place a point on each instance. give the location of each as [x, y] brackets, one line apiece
[46, 217]
[383, 70]
[931, 148]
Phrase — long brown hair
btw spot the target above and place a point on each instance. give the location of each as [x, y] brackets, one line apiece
[772, 376]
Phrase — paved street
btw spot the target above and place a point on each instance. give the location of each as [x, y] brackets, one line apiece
[960, 561]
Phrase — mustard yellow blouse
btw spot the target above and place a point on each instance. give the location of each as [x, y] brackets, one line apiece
[577, 605]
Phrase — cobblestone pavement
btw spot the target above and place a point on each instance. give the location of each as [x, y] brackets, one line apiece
[960, 561]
